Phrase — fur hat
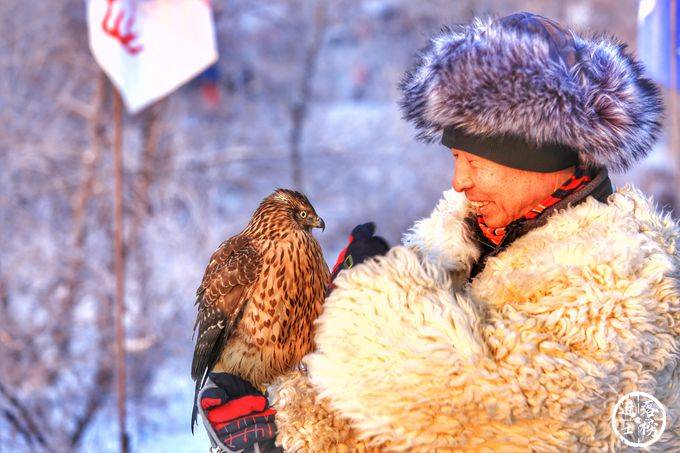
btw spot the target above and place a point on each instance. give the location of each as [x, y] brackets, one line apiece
[502, 78]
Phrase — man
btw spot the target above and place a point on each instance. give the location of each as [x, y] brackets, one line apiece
[534, 297]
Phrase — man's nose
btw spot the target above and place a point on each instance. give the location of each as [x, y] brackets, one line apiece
[461, 177]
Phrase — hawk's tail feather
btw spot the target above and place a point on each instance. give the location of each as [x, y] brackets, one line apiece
[194, 412]
[202, 375]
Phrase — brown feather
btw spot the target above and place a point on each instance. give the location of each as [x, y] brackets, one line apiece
[233, 266]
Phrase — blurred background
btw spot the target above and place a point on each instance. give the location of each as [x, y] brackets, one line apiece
[304, 95]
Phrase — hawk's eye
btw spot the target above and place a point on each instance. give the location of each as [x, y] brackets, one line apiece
[303, 214]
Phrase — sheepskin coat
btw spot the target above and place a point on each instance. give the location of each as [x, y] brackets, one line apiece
[530, 355]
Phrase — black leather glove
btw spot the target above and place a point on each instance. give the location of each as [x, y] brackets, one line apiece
[362, 244]
[236, 415]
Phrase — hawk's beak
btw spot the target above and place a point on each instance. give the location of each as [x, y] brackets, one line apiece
[319, 223]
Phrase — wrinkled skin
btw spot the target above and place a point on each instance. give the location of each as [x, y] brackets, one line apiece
[508, 192]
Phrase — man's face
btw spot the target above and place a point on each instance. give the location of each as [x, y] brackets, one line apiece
[501, 194]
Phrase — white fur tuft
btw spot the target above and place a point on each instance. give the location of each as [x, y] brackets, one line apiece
[444, 238]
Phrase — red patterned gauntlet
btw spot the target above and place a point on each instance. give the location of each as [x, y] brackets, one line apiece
[236, 415]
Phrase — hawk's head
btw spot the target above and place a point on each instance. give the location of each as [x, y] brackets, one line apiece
[297, 207]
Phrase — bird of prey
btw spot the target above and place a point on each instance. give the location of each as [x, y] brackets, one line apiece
[261, 292]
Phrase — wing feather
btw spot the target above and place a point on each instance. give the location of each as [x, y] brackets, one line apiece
[221, 298]
[233, 267]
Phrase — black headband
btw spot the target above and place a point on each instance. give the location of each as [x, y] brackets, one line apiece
[512, 151]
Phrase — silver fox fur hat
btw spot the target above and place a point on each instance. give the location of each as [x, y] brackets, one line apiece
[495, 78]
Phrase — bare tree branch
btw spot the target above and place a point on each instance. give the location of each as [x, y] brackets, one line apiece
[89, 160]
[102, 382]
[300, 105]
[22, 418]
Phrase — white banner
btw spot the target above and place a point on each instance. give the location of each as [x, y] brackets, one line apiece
[148, 48]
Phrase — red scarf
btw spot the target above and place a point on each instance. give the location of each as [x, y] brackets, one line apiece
[575, 182]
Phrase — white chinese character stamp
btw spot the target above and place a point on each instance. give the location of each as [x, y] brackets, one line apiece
[638, 419]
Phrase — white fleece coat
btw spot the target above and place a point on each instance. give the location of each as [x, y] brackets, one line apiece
[531, 355]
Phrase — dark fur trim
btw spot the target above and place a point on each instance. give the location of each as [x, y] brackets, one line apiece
[488, 80]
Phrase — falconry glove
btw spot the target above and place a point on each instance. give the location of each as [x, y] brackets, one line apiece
[236, 415]
[362, 244]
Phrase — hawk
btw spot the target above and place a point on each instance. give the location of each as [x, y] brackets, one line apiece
[261, 292]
